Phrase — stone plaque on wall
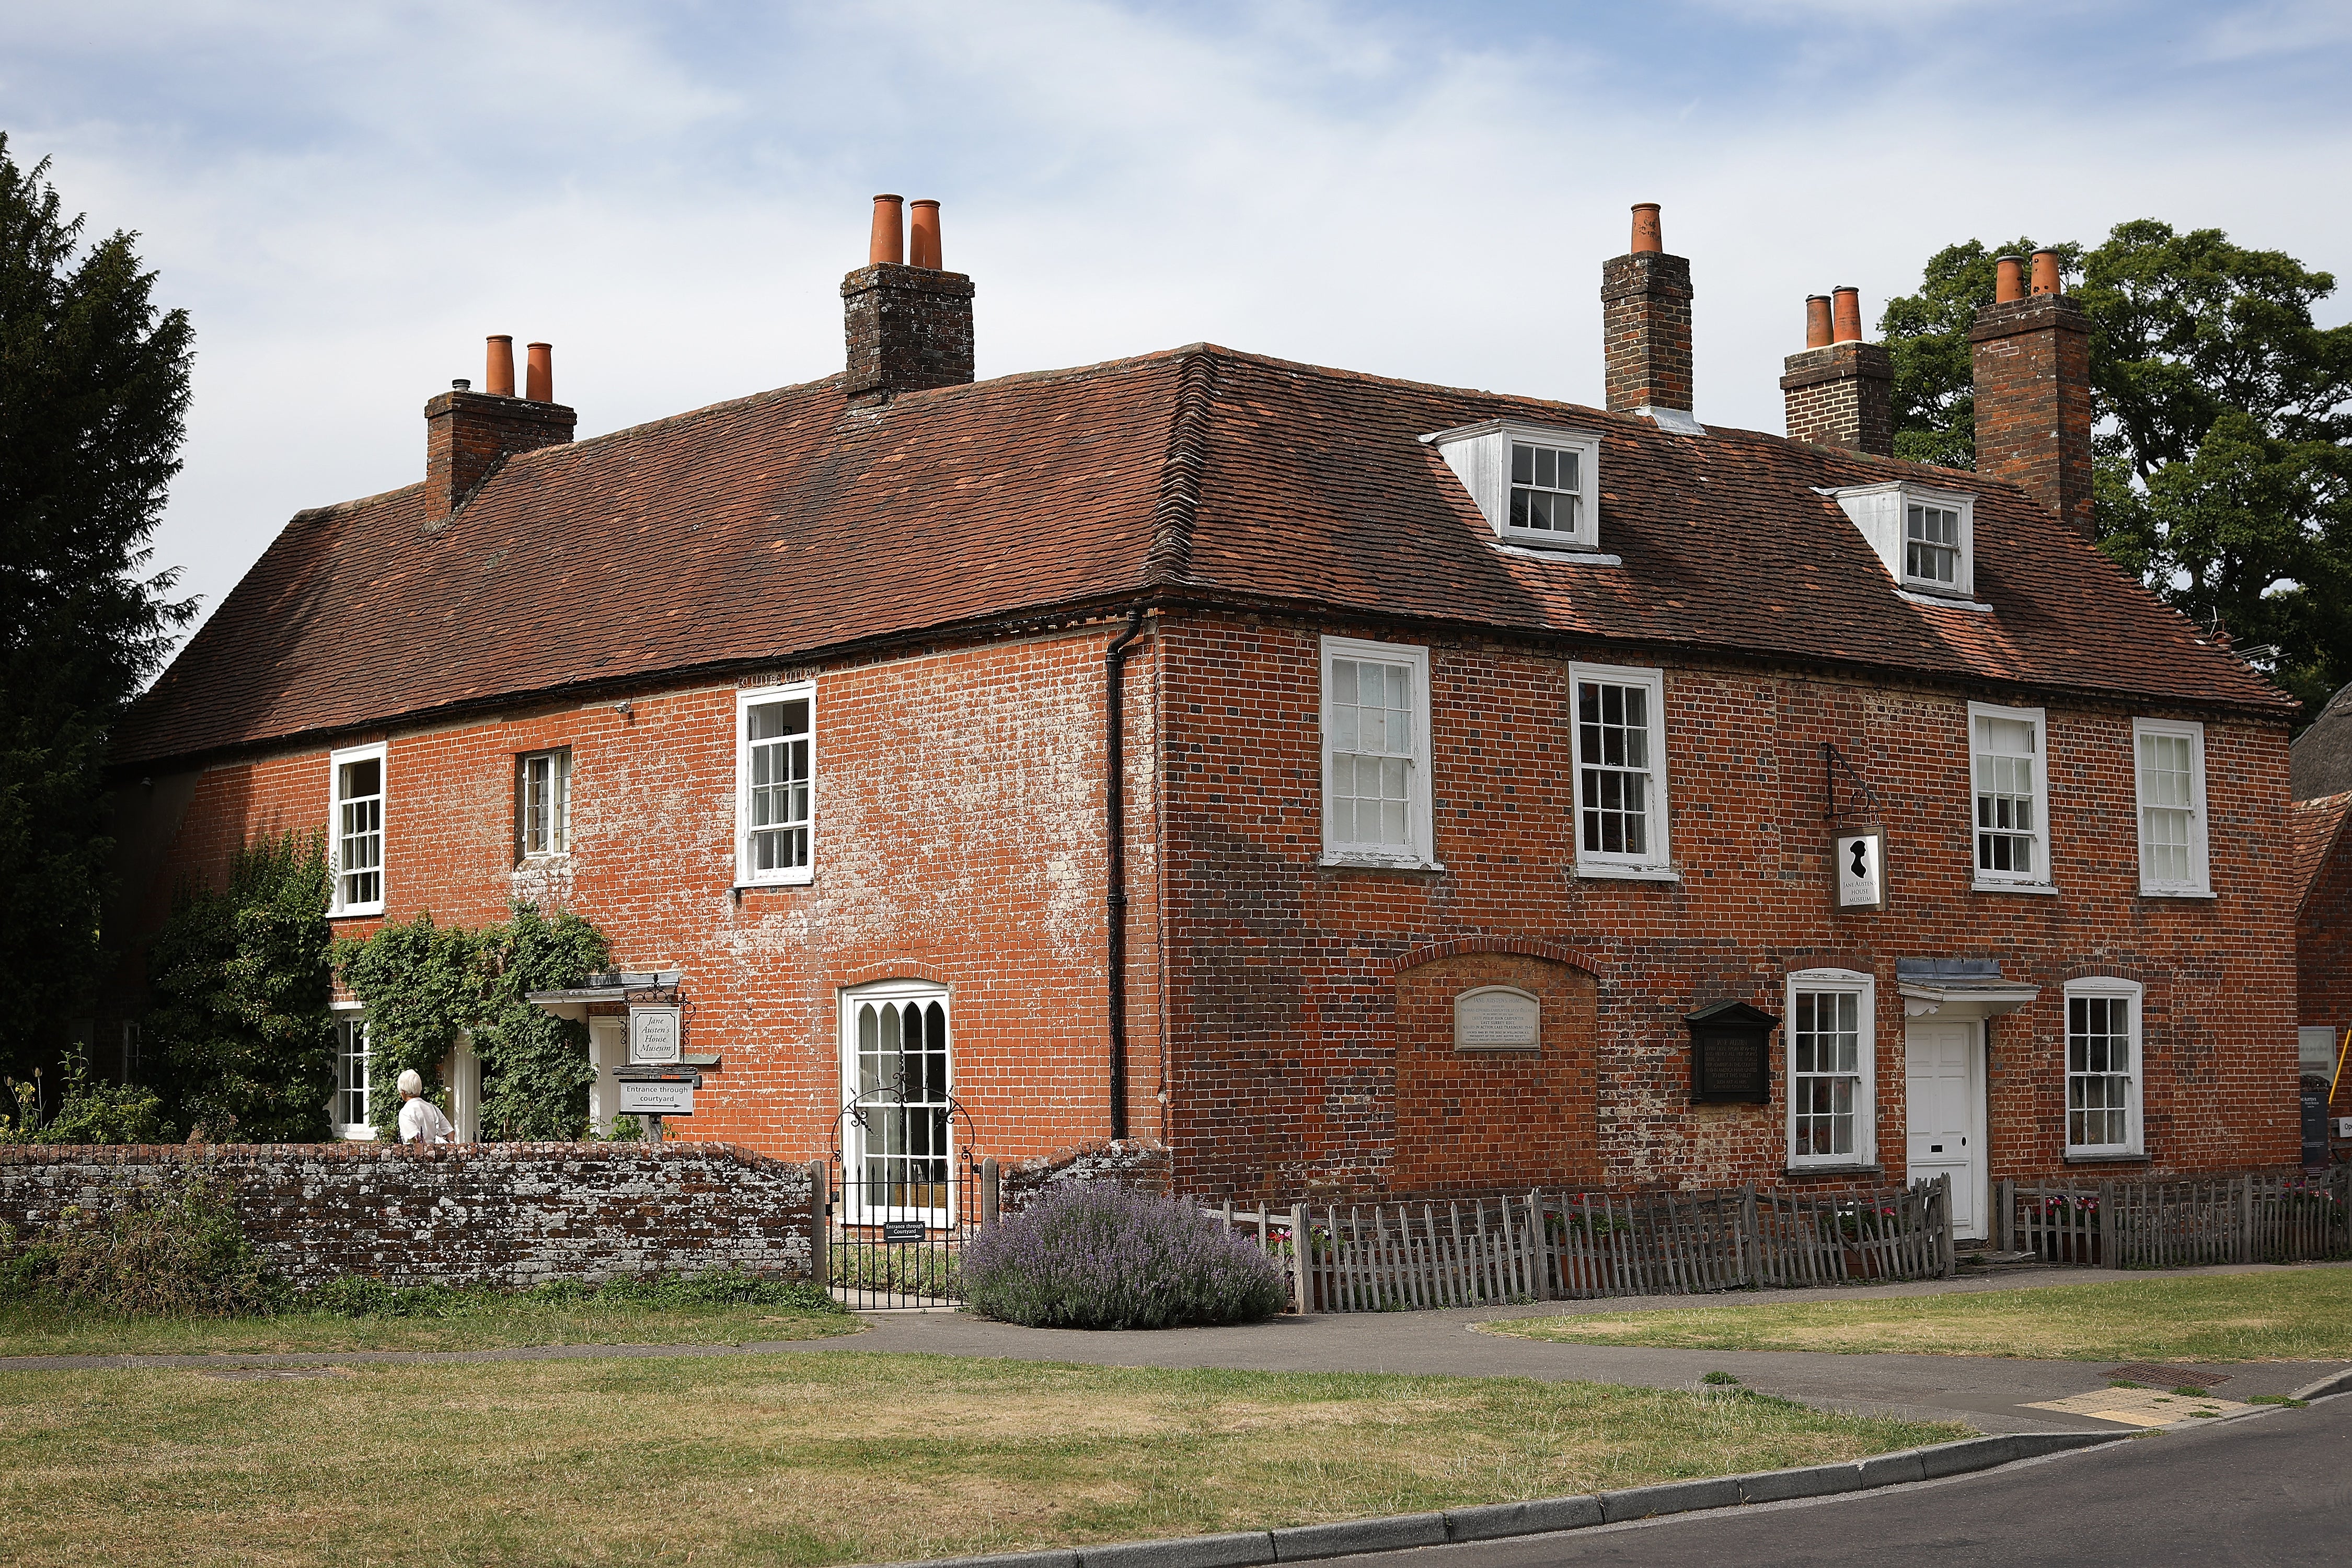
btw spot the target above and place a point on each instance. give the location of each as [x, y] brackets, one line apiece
[1497, 1018]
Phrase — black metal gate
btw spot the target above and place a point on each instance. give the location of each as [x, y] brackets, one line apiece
[905, 1196]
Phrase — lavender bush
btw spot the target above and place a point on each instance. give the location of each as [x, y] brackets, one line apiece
[1089, 1257]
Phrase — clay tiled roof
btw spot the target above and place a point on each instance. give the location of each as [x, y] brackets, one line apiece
[2315, 825]
[777, 526]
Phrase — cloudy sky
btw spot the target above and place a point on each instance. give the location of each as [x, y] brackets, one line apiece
[348, 197]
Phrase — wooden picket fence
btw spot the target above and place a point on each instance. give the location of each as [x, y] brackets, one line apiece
[1370, 1257]
[2276, 1216]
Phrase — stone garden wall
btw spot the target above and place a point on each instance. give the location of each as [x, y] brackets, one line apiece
[507, 1215]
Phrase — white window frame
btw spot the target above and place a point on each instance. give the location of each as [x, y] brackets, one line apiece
[1655, 864]
[1865, 1099]
[336, 761]
[2107, 987]
[1480, 456]
[2042, 879]
[745, 701]
[559, 759]
[2199, 883]
[343, 1012]
[1882, 514]
[1419, 851]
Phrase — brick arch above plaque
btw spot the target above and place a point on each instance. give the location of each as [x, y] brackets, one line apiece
[1515, 1112]
[1498, 1018]
[1518, 946]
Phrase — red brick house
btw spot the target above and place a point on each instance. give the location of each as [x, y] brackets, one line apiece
[2321, 779]
[1345, 784]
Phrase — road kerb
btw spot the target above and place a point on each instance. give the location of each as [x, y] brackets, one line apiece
[2334, 1383]
[1498, 1521]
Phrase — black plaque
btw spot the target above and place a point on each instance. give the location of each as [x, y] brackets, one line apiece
[1731, 1054]
[895, 1231]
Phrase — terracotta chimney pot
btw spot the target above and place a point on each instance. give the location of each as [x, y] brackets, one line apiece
[1847, 314]
[923, 239]
[1647, 235]
[539, 373]
[2045, 272]
[1817, 321]
[890, 243]
[2009, 279]
[497, 373]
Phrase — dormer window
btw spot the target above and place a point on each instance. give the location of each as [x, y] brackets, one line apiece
[1533, 484]
[1544, 495]
[1931, 543]
[1926, 539]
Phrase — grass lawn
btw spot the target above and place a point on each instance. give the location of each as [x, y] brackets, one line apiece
[807, 1459]
[2300, 1314]
[480, 1323]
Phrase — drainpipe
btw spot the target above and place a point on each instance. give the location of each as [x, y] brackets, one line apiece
[1115, 828]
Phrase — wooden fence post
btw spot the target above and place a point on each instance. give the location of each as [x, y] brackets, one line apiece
[1752, 1239]
[2245, 1185]
[1951, 1258]
[2004, 1198]
[991, 1196]
[1539, 1245]
[820, 1222]
[1302, 1260]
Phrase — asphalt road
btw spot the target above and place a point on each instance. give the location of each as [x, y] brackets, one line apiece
[2272, 1489]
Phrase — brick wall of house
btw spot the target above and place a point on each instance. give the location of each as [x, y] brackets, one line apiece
[960, 838]
[506, 1215]
[1284, 1002]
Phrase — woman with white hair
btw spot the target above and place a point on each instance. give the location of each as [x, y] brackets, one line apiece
[421, 1121]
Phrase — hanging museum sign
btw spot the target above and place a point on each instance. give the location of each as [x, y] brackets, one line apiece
[1858, 862]
[653, 1033]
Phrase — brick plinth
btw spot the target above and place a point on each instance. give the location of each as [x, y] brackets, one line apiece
[1645, 326]
[2032, 366]
[909, 329]
[1842, 395]
[468, 433]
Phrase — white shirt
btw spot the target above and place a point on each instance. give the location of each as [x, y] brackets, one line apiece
[421, 1121]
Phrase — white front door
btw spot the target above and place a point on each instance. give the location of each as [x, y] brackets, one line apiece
[608, 1048]
[1945, 1089]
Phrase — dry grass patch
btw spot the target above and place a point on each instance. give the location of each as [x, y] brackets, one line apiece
[811, 1460]
[43, 1329]
[2296, 1315]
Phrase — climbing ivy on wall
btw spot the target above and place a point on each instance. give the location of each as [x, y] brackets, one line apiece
[425, 985]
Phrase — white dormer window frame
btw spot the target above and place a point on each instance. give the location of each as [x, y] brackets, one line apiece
[1536, 485]
[1924, 537]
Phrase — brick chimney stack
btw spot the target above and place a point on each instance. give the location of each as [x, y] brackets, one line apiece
[1840, 392]
[909, 327]
[2032, 353]
[468, 433]
[1645, 322]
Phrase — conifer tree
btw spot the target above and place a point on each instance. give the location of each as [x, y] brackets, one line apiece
[94, 399]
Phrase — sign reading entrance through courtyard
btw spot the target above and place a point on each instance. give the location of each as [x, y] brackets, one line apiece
[897, 1232]
[653, 1035]
[656, 1096]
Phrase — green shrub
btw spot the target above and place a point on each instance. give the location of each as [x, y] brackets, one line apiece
[426, 984]
[239, 1032]
[1100, 1257]
[91, 1112]
[175, 1248]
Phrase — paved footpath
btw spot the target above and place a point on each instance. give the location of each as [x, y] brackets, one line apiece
[1988, 1393]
